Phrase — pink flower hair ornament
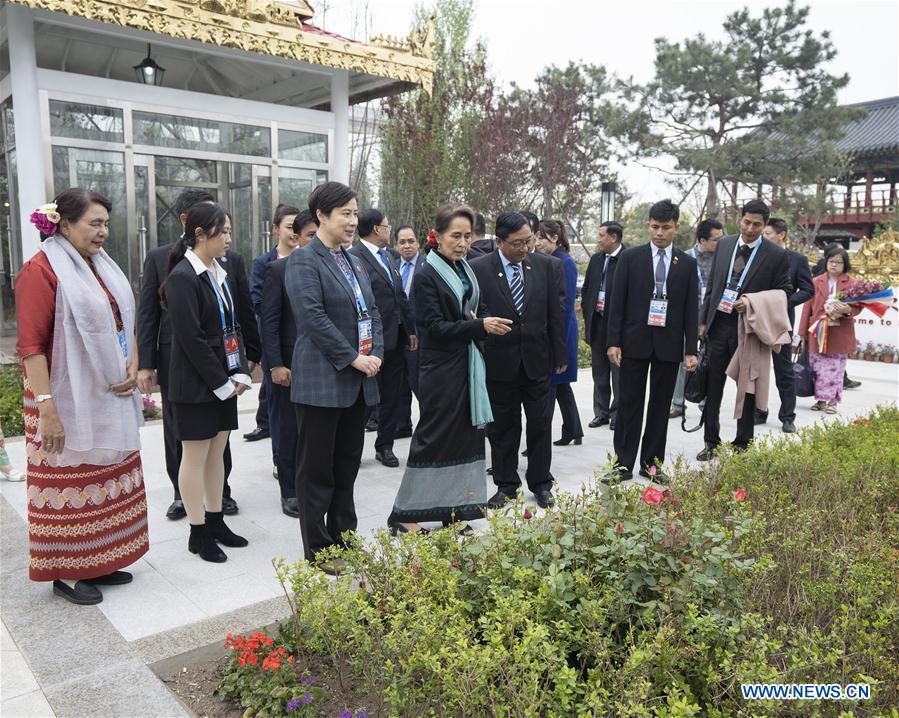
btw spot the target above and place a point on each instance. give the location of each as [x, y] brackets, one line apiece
[45, 218]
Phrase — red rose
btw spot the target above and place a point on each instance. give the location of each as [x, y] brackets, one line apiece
[652, 496]
[740, 494]
[527, 514]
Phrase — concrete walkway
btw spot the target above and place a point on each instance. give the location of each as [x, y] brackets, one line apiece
[73, 662]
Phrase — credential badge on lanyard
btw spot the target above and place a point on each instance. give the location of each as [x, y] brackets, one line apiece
[658, 306]
[365, 330]
[731, 293]
[230, 337]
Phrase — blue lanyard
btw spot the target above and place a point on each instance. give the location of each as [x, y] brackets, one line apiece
[733, 257]
[218, 296]
[361, 306]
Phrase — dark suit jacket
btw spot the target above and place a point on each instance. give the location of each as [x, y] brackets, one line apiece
[154, 332]
[327, 343]
[257, 276]
[392, 304]
[276, 321]
[801, 280]
[420, 261]
[770, 270]
[439, 322]
[480, 247]
[538, 335]
[197, 364]
[628, 310]
[595, 324]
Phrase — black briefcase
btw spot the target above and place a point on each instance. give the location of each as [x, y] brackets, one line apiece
[802, 372]
[696, 383]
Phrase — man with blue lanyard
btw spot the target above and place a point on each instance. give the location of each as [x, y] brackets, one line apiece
[743, 264]
[708, 232]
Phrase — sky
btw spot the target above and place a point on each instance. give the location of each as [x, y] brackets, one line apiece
[523, 36]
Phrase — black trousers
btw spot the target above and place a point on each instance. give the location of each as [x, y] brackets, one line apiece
[785, 378]
[408, 387]
[605, 381]
[273, 412]
[390, 380]
[329, 451]
[262, 409]
[171, 444]
[507, 398]
[720, 347]
[662, 378]
[571, 419]
[287, 440]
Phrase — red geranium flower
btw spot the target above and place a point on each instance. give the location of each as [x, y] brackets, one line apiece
[740, 494]
[652, 496]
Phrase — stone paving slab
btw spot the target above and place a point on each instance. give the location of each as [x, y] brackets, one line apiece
[178, 602]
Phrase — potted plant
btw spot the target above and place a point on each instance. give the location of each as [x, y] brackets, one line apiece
[870, 351]
[887, 352]
[858, 350]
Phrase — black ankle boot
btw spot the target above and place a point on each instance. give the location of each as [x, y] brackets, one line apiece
[202, 542]
[221, 533]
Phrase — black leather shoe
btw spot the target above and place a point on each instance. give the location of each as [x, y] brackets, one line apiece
[760, 419]
[499, 499]
[850, 383]
[371, 424]
[290, 507]
[739, 448]
[176, 511]
[545, 499]
[789, 427]
[215, 526]
[404, 434]
[81, 593]
[578, 440]
[612, 425]
[116, 578]
[598, 421]
[202, 542]
[257, 434]
[660, 477]
[275, 473]
[621, 474]
[707, 454]
[490, 471]
[229, 506]
[388, 458]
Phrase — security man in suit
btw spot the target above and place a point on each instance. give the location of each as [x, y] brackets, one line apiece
[396, 319]
[652, 327]
[154, 340]
[743, 264]
[515, 287]
[411, 261]
[595, 294]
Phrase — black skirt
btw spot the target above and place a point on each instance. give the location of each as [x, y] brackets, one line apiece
[198, 422]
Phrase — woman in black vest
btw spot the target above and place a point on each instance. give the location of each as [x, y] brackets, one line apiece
[208, 371]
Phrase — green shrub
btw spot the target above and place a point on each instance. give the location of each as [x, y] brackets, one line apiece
[11, 389]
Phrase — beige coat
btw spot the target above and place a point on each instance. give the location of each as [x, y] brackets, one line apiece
[761, 329]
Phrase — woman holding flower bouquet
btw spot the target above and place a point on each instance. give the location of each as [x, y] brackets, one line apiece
[87, 510]
[828, 327]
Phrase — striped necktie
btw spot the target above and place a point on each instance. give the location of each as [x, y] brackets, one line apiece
[382, 253]
[517, 287]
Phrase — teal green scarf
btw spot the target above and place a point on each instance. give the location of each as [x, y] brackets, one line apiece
[479, 401]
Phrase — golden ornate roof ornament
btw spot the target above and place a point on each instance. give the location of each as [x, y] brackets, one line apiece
[420, 42]
[261, 26]
[878, 258]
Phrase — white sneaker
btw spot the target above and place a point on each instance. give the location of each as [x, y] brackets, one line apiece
[12, 474]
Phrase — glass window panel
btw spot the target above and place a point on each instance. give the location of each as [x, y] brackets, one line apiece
[302, 146]
[168, 224]
[178, 169]
[103, 172]
[86, 122]
[8, 124]
[191, 133]
[295, 185]
[8, 247]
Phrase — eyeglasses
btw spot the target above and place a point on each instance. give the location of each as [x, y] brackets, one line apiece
[521, 243]
[383, 226]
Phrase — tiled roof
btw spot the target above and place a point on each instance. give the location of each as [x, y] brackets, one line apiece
[875, 133]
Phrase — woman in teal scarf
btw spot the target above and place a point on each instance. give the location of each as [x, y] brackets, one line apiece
[445, 477]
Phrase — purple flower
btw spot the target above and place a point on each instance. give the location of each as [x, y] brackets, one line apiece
[306, 698]
[345, 714]
[361, 713]
[292, 705]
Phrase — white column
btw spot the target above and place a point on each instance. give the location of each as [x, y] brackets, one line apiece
[27, 113]
[340, 106]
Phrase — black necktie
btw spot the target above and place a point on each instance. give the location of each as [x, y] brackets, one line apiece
[742, 257]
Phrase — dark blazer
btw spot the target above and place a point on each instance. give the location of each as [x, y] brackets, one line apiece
[801, 280]
[327, 340]
[439, 322]
[153, 325]
[538, 335]
[197, 364]
[594, 324]
[257, 276]
[628, 310]
[276, 321]
[770, 270]
[396, 318]
[480, 247]
[420, 261]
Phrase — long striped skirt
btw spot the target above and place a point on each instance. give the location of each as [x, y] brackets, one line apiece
[83, 521]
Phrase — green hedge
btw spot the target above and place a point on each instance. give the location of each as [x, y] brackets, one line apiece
[11, 388]
[779, 565]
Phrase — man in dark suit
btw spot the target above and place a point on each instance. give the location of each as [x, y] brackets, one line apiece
[652, 327]
[396, 320]
[515, 287]
[595, 294]
[154, 342]
[411, 260]
[480, 244]
[743, 264]
[801, 281]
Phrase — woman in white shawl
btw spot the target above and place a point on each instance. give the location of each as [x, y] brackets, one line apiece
[87, 510]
